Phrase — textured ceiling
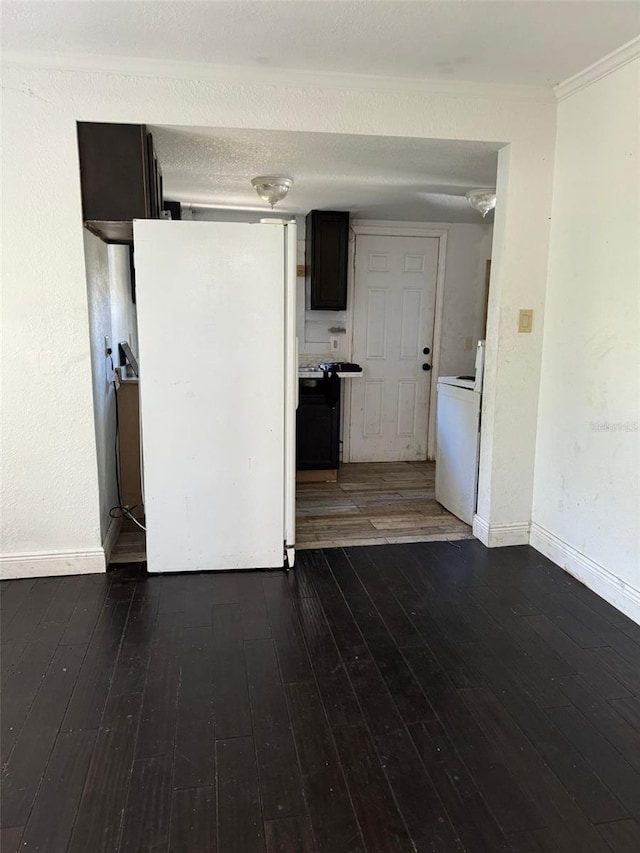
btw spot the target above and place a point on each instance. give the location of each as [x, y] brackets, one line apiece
[374, 176]
[526, 42]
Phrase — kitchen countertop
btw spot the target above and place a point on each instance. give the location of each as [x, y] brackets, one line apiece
[303, 373]
[316, 373]
[125, 377]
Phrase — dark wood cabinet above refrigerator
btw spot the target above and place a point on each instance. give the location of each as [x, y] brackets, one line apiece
[326, 259]
[120, 178]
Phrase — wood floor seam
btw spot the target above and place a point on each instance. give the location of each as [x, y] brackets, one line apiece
[329, 729]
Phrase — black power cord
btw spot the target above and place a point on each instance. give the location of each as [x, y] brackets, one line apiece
[120, 510]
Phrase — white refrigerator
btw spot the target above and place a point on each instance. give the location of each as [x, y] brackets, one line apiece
[458, 440]
[218, 390]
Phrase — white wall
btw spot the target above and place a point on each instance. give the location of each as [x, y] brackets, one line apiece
[112, 315]
[100, 327]
[468, 250]
[50, 472]
[123, 309]
[586, 512]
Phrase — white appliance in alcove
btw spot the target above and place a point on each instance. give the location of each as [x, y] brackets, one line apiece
[458, 440]
[218, 385]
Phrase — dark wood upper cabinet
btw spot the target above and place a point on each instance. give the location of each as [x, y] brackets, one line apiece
[120, 178]
[327, 243]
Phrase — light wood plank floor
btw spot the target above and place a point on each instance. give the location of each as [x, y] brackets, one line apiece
[373, 503]
[131, 546]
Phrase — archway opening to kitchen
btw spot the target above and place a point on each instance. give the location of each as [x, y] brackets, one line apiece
[390, 267]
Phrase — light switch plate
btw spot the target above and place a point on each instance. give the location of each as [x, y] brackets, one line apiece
[525, 320]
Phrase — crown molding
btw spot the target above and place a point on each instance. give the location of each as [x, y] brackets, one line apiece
[609, 63]
[293, 79]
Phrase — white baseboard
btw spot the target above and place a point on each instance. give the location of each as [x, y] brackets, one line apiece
[41, 564]
[604, 583]
[500, 535]
[46, 564]
[111, 538]
[480, 529]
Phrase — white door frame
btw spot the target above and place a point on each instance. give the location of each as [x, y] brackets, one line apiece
[383, 228]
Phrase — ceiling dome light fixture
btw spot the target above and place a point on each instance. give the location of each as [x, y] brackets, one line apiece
[271, 188]
[482, 200]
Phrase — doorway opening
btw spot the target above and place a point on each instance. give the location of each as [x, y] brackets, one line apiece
[385, 488]
[415, 308]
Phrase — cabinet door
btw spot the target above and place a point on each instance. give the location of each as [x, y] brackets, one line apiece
[317, 434]
[327, 241]
[113, 171]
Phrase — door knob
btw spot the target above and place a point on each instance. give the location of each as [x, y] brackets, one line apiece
[426, 367]
[426, 351]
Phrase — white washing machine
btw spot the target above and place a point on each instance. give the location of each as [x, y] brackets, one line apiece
[458, 440]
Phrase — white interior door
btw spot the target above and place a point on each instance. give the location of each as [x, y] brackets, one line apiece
[394, 303]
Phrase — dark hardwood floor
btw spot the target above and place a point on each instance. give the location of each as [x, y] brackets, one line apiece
[415, 697]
